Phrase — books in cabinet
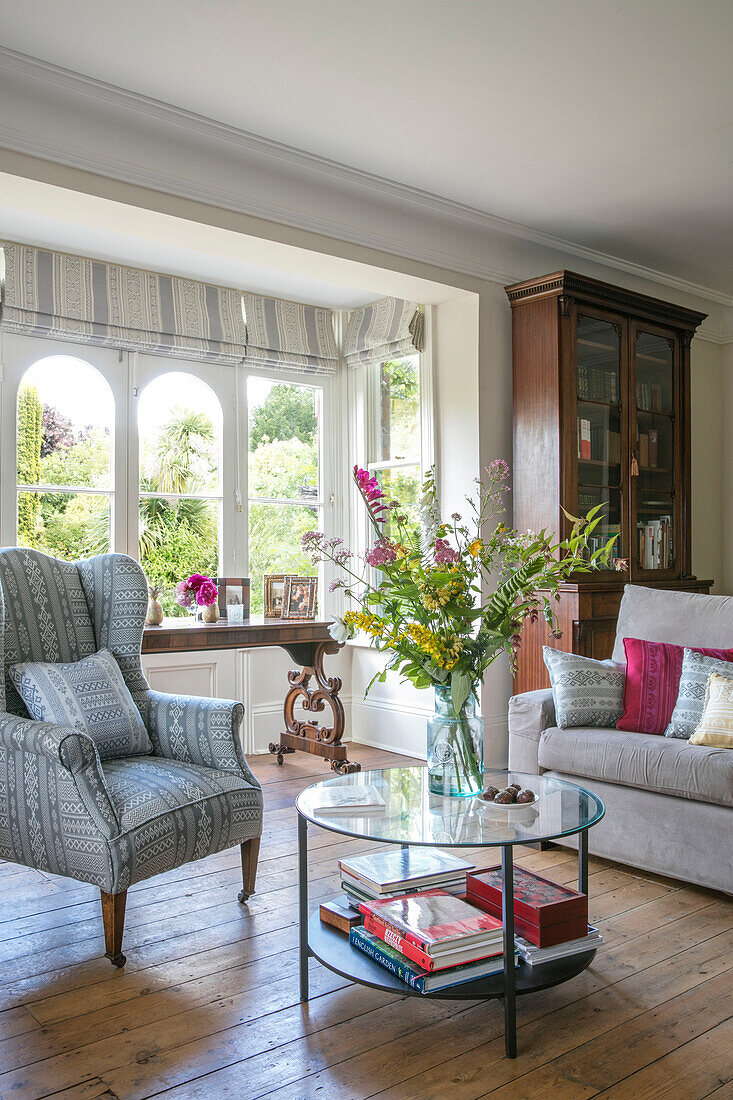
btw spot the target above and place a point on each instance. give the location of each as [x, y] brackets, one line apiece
[422, 981]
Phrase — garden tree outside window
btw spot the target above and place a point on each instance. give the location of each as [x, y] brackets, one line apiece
[65, 427]
[394, 436]
[180, 439]
[284, 477]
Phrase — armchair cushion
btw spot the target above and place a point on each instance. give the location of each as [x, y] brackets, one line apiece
[88, 695]
[172, 812]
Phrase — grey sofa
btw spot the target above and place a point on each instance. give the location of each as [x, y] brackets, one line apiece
[669, 804]
[113, 822]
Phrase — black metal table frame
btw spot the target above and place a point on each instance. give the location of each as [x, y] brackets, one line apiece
[507, 869]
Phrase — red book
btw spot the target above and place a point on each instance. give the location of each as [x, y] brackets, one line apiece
[392, 937]
[584, 449]
[436, 922]
[545, 912]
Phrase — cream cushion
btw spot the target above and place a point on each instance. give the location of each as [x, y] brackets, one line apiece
[716, 724]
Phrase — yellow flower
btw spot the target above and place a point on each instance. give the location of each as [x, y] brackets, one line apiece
[475, 548]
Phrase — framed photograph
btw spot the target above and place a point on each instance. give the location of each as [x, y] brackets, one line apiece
[299, 598]
[274, 591]
[233, 598]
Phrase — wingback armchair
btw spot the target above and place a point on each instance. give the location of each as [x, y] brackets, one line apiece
[115, 822]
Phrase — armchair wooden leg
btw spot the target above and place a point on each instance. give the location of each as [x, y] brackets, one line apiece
[250, 851]
[113, 915]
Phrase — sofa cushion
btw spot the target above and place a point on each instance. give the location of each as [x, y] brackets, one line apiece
[684, 618]
[696, 670]
[653, 672]
[662, 764]
[585, 692]
[716, 724]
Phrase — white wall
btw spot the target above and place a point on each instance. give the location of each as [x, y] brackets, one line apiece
[726, 456]
[711, 505]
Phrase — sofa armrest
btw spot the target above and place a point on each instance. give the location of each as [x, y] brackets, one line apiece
[71, 751]
[529, 715]
[198, 731]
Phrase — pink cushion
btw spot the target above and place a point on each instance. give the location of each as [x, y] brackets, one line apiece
[653, 672]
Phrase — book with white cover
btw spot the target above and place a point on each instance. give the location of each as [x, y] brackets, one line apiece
[537, 955]
[435, 921]
[386, 872]
[356, 799]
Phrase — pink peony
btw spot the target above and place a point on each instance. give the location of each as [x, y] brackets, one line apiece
[207, 593]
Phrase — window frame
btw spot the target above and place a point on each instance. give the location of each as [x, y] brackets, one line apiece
[128, 373]
[364, 413]
[19, 353]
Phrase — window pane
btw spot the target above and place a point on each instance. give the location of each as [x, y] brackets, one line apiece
[178, 538]
[180, 423]
[402, 484]
[283, 439]
[65, 422]
[398, 430]
[275, 531]
[65, 525]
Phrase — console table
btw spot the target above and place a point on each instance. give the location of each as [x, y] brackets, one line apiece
[307, 642]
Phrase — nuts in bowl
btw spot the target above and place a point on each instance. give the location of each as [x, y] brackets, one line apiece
[513, 795]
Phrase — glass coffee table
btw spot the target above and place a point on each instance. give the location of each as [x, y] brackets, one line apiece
[414, 816]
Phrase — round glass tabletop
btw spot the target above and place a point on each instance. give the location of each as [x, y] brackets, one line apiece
[406, 812]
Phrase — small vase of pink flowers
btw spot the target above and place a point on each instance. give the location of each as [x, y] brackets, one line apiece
[200, 596]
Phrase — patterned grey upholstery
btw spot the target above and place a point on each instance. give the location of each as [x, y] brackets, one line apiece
[111, 824]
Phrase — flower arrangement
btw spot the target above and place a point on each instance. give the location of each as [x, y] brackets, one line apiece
[196, 591]
[448, 600]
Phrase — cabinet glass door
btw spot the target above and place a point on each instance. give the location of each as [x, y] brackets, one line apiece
[599, 425]
[653, 488]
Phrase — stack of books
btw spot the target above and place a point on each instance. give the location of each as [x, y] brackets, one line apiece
[550, 920]
[655, 543]
[401, 871]
[431, 940]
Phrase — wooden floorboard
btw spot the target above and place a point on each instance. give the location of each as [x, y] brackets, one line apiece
[207, 1005]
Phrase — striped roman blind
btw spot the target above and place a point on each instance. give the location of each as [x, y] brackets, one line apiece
[289, 335]
[88, 301]
[388, 329]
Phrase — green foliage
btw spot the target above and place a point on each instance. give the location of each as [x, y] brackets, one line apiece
[282, 468]
[286, 413]
[275, 532]
[86, 462]
[30, 437]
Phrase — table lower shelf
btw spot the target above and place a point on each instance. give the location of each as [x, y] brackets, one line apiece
[332, 948]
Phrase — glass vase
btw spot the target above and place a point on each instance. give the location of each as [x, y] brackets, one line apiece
[455, 747]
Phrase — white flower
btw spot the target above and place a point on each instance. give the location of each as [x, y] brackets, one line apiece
[429, 514]
[339, 631]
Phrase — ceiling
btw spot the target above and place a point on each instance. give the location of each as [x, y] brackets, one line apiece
[608, 123]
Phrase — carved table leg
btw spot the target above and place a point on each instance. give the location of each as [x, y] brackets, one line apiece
[309, 736]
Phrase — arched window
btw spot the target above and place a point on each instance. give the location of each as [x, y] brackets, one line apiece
[65, 427]
[180, 434]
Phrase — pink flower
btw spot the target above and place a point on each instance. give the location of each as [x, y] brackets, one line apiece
[207, 593]
[196, 580]
[498, 469]
[444, 554]
[382, 554]
[184, 594]
[367, 485]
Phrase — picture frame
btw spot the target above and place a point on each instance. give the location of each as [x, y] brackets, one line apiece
[300, 596]
[233, 593]
[274, 592]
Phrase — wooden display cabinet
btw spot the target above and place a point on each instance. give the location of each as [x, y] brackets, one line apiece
[601, 416]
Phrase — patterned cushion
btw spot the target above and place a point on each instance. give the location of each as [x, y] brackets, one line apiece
[586, 692]
[696, 670]
[653, 672]
[88, 695]
[716, 725]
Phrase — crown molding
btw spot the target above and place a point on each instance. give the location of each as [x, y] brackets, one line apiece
[209, 130]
